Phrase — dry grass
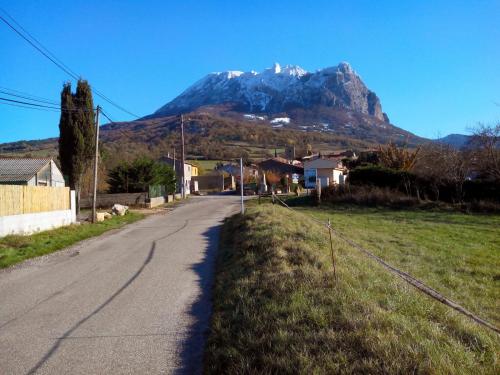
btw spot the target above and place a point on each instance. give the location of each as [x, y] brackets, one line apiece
[278, 310]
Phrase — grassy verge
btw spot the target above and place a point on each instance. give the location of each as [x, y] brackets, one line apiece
[15, 249]
[277, 309]
[458, 254]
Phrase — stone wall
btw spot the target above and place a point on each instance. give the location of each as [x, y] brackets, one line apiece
[108, 200]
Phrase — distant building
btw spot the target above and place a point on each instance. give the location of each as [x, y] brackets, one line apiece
[327, 171]
[190, 170]
[31, 172]
[280, 166]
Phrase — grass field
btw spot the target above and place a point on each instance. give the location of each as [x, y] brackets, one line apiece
[278, 309]
[457, 254]
[15, 249]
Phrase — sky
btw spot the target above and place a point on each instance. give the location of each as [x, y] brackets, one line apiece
[433, 64]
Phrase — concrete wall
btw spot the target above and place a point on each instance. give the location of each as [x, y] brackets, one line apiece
[108, 200]
[31, 223]
[155, 202]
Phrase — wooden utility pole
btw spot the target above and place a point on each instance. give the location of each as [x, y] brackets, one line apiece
[175, 175]
[241, 186]
[183, 188]
[96, 157]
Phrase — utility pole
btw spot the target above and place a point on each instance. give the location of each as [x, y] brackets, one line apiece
[96, 156]
[175, 175]
[241, 186]
[183, 189]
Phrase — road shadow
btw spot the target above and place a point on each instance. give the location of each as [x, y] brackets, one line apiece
[193, 344]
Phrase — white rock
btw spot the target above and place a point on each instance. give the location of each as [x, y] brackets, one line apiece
[119, 209]
[100, 216]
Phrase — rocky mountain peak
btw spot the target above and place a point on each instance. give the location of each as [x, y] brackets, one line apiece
[278, 89]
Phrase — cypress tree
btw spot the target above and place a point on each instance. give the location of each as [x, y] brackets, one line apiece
[66, 133]
[76, 134]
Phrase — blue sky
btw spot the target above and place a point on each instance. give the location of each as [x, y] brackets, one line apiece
[434, 64]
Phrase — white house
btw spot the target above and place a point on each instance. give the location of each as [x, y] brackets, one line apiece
[31, 172]
[190, 171]
[327, 171]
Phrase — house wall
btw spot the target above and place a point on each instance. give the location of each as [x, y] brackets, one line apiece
[24, 224]
[43, 176]
[338, 177]
[325, 172]
[332, 176]
[50, 175]
[214, 182]
[310, 178]
[57, 178]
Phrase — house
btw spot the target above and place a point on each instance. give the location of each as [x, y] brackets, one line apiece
[235, 170]
[328, 171]
[280, 166]
[190, 170]
[31, 172]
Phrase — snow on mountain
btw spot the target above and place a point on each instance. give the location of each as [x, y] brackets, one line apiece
[280, 120]
[278, 89]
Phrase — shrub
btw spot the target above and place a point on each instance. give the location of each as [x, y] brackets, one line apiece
[375, 175]
[367, 196]
[139, 175]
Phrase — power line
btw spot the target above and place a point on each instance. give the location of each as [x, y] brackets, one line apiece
[113, 122]
[49, 55]
[27, 94]
[28, 98]
[37, 48]
[38, 42]
[28, 107]
[27, 103]
[45, 106]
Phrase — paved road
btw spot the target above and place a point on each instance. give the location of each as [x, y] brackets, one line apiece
[132, 302]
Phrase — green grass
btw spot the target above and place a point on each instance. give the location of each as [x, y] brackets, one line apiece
[15, 249]
[455, 253]
[277, 309]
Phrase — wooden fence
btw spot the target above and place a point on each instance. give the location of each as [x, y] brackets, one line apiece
[17, 199]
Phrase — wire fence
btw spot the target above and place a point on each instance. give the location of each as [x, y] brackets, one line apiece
[418, 284]
[156, 191]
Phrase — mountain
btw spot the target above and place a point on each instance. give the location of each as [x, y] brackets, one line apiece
[277, 90]
[455, 140]
[236, 113]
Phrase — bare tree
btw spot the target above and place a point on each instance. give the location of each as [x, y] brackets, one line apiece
[486, 149]
[442, 165]
[399, 158]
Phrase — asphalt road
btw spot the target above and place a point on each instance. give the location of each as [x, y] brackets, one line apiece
[135, 301]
